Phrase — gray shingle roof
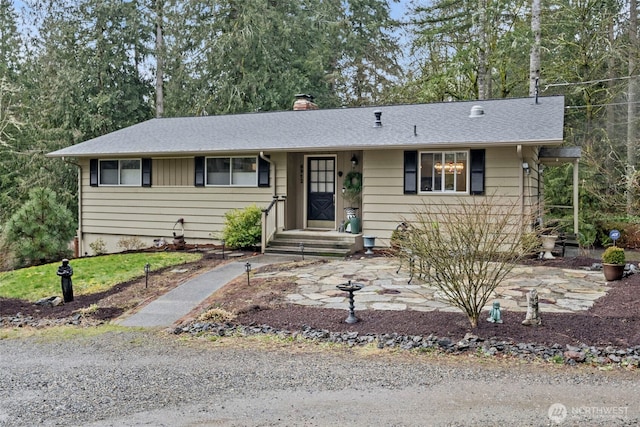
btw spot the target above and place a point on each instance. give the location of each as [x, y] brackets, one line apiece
[505, 121]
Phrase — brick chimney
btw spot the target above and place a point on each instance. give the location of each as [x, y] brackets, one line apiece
[304, 102]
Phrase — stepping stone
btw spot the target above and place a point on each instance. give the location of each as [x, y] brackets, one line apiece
[388, 306]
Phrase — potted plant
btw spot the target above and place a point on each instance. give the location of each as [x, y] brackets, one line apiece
[351, 191]
[613, 263]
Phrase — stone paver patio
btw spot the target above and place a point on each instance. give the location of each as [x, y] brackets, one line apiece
[559, 290]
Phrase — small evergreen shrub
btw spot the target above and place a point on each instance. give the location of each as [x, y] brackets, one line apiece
[40, 230]
[242, 227]
[613, 255]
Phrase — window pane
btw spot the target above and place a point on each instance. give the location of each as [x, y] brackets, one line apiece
[427, 172]
[449, 171]
[462, 171]
[108, 172]
[130, 172]
[218, 171]
[244, 171]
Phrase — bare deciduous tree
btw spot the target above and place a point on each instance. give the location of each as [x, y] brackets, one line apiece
[467, 249]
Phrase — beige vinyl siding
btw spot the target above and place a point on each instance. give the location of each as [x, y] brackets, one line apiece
[385, 205]
[151, 212]
[173, 172]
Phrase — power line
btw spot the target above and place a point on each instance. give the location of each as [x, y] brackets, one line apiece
[588, 82]
[600, 105]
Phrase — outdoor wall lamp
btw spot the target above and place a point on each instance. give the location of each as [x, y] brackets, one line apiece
[354, 161]
[526, 168]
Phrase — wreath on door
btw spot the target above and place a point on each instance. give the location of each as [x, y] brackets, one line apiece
[352, 185]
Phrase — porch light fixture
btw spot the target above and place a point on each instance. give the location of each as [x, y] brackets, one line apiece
[354, 161]
[450, 167]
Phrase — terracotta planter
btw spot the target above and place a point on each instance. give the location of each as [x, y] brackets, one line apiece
[612, 271]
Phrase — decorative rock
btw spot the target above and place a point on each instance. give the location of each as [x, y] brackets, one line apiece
[571, 354]
[576, 356]
[444, 342]
[50, 301]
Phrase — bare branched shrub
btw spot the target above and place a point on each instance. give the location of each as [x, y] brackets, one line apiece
[98, 246]
[466, 249]
[132, 243]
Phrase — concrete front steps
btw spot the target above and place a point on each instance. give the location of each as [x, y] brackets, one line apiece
[315, 243]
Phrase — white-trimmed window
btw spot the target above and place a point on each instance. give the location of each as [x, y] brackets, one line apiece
[126, 172]
[444, 171]
[232, 171]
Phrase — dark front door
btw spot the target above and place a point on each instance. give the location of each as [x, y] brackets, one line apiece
[321, 188]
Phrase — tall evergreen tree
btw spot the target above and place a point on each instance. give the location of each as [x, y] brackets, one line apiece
[369, 58]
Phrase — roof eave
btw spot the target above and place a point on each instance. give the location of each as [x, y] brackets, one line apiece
[402, 146]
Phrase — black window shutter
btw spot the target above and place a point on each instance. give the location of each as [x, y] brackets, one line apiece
[93, 172]
[263, 172]
[146, 172]
[410, 172]
[199, 169]
[477, 171]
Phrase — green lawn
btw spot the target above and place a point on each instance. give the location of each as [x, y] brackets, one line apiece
[90, 275]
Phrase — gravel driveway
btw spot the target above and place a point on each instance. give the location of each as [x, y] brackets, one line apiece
[152, 379]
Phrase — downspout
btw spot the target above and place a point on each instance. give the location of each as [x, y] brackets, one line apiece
[266, 159]
[79, 233]
[521, 184]
[576, 197]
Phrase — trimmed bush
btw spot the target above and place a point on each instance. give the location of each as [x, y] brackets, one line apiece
[242, 227]
[613, 255]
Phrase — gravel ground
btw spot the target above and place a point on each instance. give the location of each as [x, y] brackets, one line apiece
[155, 379]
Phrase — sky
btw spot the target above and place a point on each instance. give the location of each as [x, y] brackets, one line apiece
[397, 9]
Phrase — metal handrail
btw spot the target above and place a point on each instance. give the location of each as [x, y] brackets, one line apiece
[269, 227]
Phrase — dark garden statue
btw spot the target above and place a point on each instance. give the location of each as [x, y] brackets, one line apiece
[65, 272]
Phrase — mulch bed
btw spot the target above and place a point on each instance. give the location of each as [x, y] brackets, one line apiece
[613, 320]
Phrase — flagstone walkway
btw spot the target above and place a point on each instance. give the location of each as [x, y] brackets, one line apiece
[559, 290]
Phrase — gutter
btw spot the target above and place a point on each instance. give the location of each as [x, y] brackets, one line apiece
[521, 184]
